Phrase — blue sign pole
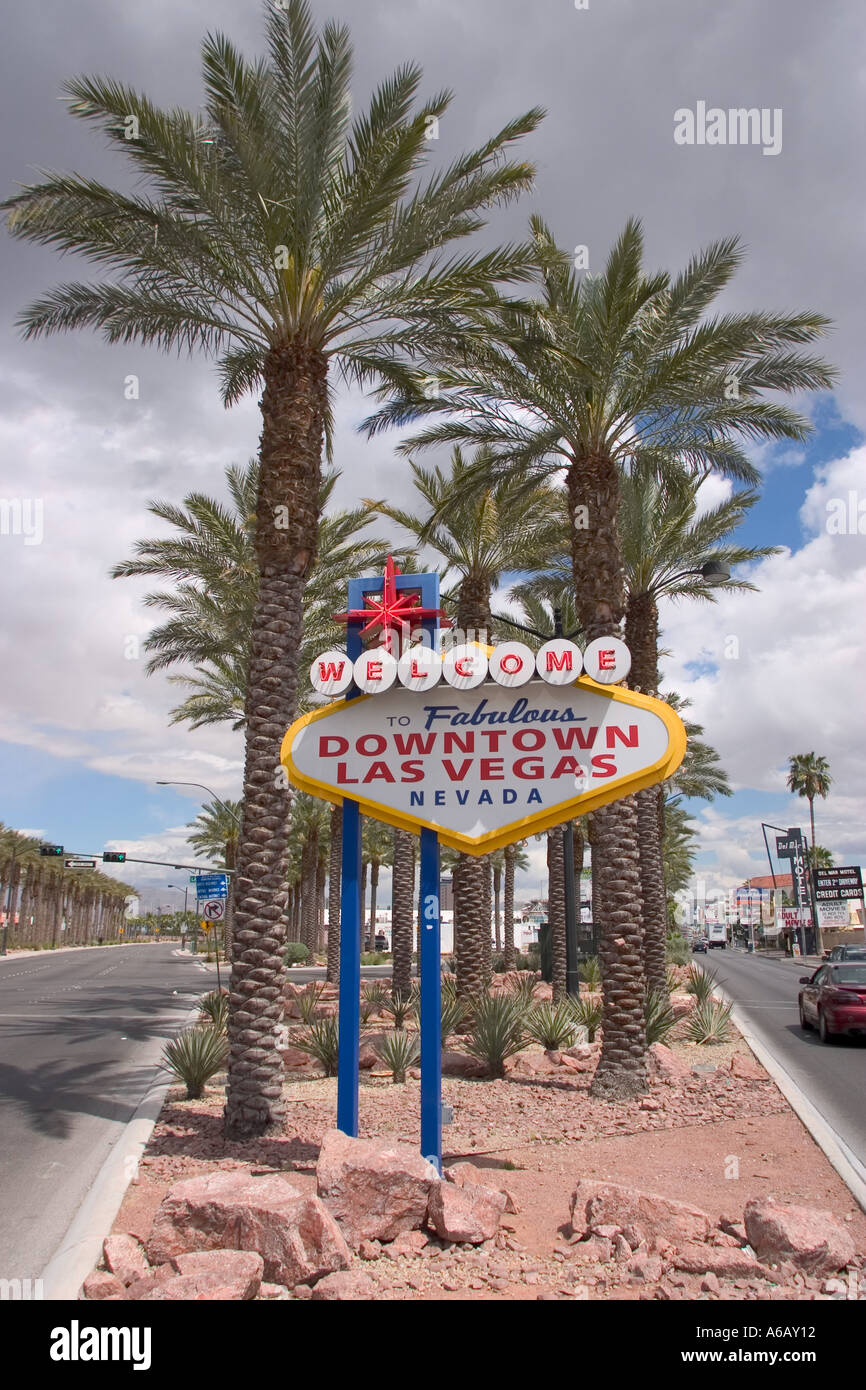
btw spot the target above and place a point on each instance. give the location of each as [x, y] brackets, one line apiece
[431, 1002]
[350, 972]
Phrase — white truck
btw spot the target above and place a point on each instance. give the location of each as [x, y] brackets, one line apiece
[717, 935]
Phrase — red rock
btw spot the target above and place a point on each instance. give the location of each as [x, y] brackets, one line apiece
[596, 1250]
[595, 1204]
[348, 1285]
[666, 1065]
[369, 1250]
[295, 1234]
[409, 1242]
[151, 1281]
[242, 1269]
[573, 1063]
[710, 1284]
[646, 1268]
[621, 1250]
[464, 1065]
[463, 1173]
[814, 1241]
[375, 1189]
[531, 1064]
[747, 1069]
[295, 1060]
[470, 1213]
[726, 1263]
[649, 1104]
[100, 1284]
[274, 1291]
[124, 1257]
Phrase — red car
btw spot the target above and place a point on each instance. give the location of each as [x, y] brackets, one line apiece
[833, 1000]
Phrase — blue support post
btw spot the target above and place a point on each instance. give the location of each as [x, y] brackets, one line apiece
[431, 1002]
[350, 972]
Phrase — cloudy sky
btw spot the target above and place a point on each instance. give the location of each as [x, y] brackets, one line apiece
[83, 732]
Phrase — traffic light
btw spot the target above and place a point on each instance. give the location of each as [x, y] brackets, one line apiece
[55, 851]
[114, 856]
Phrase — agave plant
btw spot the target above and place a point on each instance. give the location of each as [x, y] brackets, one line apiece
[552, 1025]
[454, 1012]
[449, 987]
[398, 1051]
[194, 1056]
[660, 1017]
[586, 1014]
[308, 1002]
[700, 983]
[498, 1030]
[399, 1006]
[323, 1043]
[590, 973]
[673, 979]
[709, 1023]
[375, 999]
[524, 990]
[215, 1010]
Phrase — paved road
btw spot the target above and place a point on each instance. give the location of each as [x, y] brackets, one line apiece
[832, 1076]
[81, 1033]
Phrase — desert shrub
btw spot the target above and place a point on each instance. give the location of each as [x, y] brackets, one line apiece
[673, 978]
[375, 999]
[498, 1030]
[399, 1051]
[215, 1010]
[587, 1014]
[453, 1017]
[590, 973]
[709, 1023]
[659, 1016]
[375, 957]
[308, 1002]
[399, 1006]
[296, 953]
[700, 983]
[322, 1042]
[524, 990]
[552, 1025]
[677, 949]
[194, 1056]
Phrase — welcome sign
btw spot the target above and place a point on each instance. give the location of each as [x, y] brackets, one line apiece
[487, 765]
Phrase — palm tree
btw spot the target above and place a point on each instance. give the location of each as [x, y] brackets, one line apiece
[402, 908]
[282, 237]
[377, 850]
[602, 369]
[809, 776]
[515, 858]
[216, 832]
[820, 857]
[213, 567]
[669, 548]
[480, 535]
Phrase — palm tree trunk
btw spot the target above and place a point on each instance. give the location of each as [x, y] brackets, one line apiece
[556, 910]
[487, 939]
[364, 868]
[335, 901]
[508, 917]
[642, 639]
[600, 596]
[402, 905]
[812, 818]
[374, 893]
[320, 904]
[294, 405]
[469, 896]
[497, 905]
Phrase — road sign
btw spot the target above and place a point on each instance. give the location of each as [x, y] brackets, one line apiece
[485, 766]
[206, 926]
[837, 885]
[208, 886]
[214, 910]
[80, 863]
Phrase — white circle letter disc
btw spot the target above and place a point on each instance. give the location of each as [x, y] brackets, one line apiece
[375, 671]
[419, 668]
[512, 663]
[331, 673]
[607, 660]
[465, 667]
[559, 662]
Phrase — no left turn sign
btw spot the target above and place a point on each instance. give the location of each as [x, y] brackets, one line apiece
[213, 910]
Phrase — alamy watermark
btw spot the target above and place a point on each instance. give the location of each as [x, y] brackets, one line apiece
[738, 125]
[22, 516]
[21, 1290]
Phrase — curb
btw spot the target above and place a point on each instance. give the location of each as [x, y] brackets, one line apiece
[81, 1246]
[833, 1146]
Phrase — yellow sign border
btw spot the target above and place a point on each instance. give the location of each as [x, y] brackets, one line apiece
[570, 809]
